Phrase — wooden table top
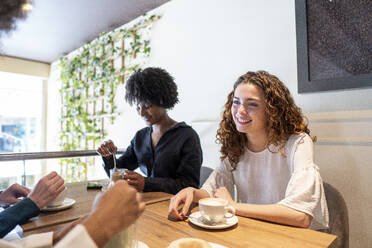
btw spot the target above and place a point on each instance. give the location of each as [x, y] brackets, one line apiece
[156, 230]
[49, 221]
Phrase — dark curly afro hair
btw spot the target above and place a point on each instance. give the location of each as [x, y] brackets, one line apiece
[152, 86]
[10, 11]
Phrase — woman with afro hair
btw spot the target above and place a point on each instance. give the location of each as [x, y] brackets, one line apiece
[267, 155]
[167, 152]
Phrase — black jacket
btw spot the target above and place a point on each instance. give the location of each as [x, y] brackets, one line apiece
[19, 213]
[174, 164]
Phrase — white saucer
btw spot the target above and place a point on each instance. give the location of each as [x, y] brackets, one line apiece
[196, 219]
[214, 245]
[67, 203]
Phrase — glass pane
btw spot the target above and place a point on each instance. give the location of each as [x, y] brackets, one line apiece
[20, 126]
[77, 168]
[13, 171]
[20, 113]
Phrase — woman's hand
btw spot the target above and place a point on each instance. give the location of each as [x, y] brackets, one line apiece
[135, 180]
[185, 196]
[224, 194]
[107, 149]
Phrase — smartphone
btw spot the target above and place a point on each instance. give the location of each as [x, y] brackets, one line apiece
[94, 185]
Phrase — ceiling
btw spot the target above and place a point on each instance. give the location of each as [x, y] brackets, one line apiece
[55, 28]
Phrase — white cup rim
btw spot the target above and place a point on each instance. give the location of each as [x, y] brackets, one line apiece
[204, 201]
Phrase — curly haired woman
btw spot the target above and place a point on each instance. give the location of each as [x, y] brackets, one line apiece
[267, 153]
[167, 152]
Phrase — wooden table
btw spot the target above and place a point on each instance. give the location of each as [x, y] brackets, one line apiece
[157, 231]
[51, 221]
[154, 228]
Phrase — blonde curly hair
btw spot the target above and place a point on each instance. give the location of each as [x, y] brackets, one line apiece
[283, 117]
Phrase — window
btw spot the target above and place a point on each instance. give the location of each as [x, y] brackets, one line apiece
[21, 111]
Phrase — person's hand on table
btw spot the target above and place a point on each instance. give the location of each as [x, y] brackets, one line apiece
[47, 189]
[185, 196]
[11, 194]
[223, 193]
[107, 149]
[135, 180]
[113, 211]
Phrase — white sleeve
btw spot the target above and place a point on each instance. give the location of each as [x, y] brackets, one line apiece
[78, 237]
[7, 244]
[305, 190]
[42, 240]
[220, 177]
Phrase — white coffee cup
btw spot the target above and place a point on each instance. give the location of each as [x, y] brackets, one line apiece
[126, 238]
[59, 200]
[215, 209]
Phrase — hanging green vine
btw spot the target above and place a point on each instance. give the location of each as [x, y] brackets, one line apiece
[89, 80]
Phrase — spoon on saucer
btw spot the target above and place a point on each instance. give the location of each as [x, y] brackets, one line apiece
[200, 219]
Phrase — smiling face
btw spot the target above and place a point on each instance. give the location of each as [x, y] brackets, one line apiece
[150, 113]
[248, 109]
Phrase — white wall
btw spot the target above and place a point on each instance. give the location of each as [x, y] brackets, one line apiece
[207, 44]
[344, 154]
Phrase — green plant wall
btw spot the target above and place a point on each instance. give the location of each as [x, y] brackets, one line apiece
[89, 80]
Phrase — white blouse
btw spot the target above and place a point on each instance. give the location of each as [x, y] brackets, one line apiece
[269, 177]
[78, 237]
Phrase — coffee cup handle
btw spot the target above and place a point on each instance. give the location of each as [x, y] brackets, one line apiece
[232, 214]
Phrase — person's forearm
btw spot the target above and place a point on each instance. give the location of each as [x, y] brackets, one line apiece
[17, 214]
[96, 230]
[274, 213]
